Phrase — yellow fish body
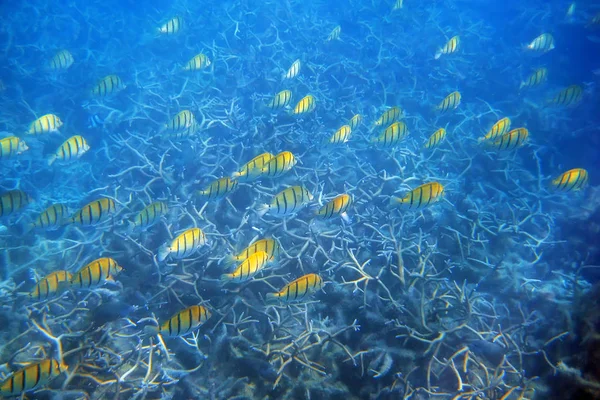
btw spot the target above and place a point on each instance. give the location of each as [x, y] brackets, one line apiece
[392, 135]
[72, 149]
[434, 140]
[450, 47]
[569, 96]
[269, 246]
[108, 85]
[94, 212]
[286, 202]
[510, 140]
[389, 116]
[421, 196]
[452, 101]
[31, 377]
[61, 61]
[293, 71]
[13, 201]
[248, 268]
[150, 215]
[185, 321]
[573, 179]
[197, 63]
[51, 285]
[501, 127]
[306, 105]
[52, 217]
[96, 273]
[171, 27]
[355, 121]
[542, 44]
[297, 290]
[219, 188]
[335, 34]
[538, 77]
[253, 168]
[12, 146]
[184, 245]
[342, 135]
[48, 123]
[337, 206]
[278, 165]
[281, 100]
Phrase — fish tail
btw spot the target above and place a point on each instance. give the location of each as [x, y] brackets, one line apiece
[271, 298]
[130, 226]
[438, 54]
[163, 253]
[394, 201]
[151, 329]
[52, 159]
[235, 175]
[225, 278]
[229, 259]
[262, 210]
[28, 228]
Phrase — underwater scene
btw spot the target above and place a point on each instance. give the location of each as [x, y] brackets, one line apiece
[285, 199]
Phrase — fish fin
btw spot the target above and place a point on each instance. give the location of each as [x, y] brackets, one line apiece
[262, 209]
[346, 218]
[163, 252]
[130, 227]
[394, 201]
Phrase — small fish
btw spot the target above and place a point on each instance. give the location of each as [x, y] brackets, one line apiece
[96, 273]
[298, 290]
[72, 149]
[172, 26]
[12, 146]
[184, 322]
[286, 202]
[498, 129]
[48, 123]
[253, 168]
[32, 377]
[197, 63]
[109, 312]
[94, 121]
[219, 188]
[450, 47]
[392, 135]
[538, 77]
[184, 245]
[279, 165]
[542, 44]
[61, 61]
[306, 105]
[281, 100]
[12, 201]
[108, 85]
[340, 136]
[569, 96]
[51, 218]
[595, 20]
[248, 268]
[51, 285]
[389, 116]
[398, 5]
[355, 121]
[452, 101]
[434, 140]
[293, 71]
[510, 140]
[573, 179]
[335, 34]
[183, 121]
[149, 216]
[269, 246]
[94, 212]
[421, 196]
[337, 206]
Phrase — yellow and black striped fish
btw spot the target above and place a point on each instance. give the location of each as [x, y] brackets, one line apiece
[12, 201]
[108, 85]
[389, 116]
[219, 188]
[510, 140]
[150, 215]
[248, 268]
[72, 149]
[398, 5]
[434, 140]
[392, 135]
[184, 322]
[183, 121]
[450, 47]
[32, 377]
[538, 77]
[286, 202]
[595, 20]
[569, 96]
[335, 34]
[336, 206]
[51, 285]
[269, 246]
[355, 121]
[184, 245]
[253, 168]
[279, 165]
[51, 218]
[61, 61]
[542, 43]
[305, 105]
[199, 62]
[340, 136]
[45, 124]
[293, 71]
[281, 100]
[501, 127]
[298, 290]
[96, 273]
[421, 196]
[573, 179]
[452, 101]
[12, 146]
[94, 212]
[172, 26]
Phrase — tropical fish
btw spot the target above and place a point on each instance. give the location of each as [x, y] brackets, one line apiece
[570, 12]
[573, 179]
[32, 377]
[392, 135]
[434, 140]
[342, 135]
[183, 121]
[108, 85]
[61, 60]
[51, 218]
[510, 140]
[569, 96]
[248, 268]
[172, 26]
[335, 34]
[450, 47]
[498, 129]
[305, 105]
[184, 245]
[421, 196]
[298, 290]
[253, 168]
[45, 124]
[94, 121]
[286, 202]
[12, 146]
[72, 149]
[12, 201]
[336, 206]
[184, 322]
[542, 44]
[197, 63]
[94, 212]
[281, 100]
[390, 115]
[293, 71]
[219, 188]
[355, 121]
[96, 273]
[398, 5]
[270, 246]
[451, 101]
[51, 285]
[595, 20]
[150, 215]
[279, 165]
[538, 77]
